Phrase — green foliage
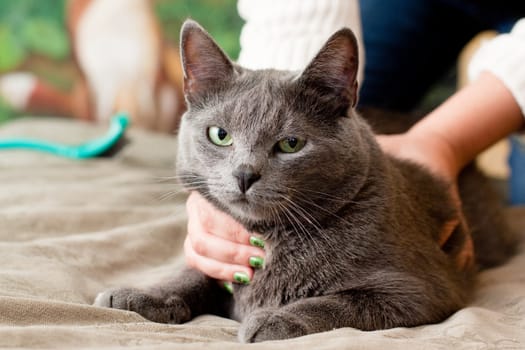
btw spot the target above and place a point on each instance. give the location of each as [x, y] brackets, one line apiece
[37, 27]
[54, 46]
[5, 112]
[31, 27]
[220, 18]
[11, 52]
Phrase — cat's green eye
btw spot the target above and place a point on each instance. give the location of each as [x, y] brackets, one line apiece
[290, 145]
[219, 136]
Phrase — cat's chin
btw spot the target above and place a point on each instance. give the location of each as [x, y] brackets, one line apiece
[245, 210]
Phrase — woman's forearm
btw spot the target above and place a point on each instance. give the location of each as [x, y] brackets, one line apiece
[472, 120]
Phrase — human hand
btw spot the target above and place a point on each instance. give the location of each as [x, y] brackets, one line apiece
[435, 155]
[219, 246]
[430, 151]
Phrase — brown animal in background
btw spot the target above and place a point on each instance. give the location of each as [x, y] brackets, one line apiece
[123, 63]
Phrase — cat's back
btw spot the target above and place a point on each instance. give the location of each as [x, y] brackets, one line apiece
[482, 204]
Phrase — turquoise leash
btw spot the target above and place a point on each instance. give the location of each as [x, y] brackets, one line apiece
[89, 149]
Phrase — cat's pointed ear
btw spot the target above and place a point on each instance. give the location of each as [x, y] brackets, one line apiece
[334, 69]
[205, 65]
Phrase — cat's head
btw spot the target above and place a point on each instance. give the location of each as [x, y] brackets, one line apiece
[270, 145]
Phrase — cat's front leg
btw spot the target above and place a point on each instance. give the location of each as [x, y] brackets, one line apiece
[157, 309]
[272, 324]
[390, 305]
[179, 299]
[302, 317]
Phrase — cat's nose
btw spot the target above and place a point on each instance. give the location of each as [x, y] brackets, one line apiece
[246, 177]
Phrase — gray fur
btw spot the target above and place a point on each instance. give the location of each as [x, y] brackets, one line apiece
[351, 234]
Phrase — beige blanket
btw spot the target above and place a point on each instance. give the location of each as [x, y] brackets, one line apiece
[69, 229]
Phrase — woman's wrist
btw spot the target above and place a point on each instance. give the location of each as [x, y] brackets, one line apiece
[438, 152]
[470, 121]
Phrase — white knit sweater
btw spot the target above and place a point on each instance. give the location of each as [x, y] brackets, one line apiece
[504, 56]
[286, 34]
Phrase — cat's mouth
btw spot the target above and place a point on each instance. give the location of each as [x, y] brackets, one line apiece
[242, 202]
[245, 207]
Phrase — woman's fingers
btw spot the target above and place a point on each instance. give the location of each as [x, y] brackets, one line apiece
[218, 248]
[217, 245]
[214, 221]
[217, 269]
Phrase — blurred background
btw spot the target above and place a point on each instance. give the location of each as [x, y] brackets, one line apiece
[33, 35]
[34, 38]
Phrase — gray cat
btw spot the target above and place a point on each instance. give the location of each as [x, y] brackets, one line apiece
[351, 234]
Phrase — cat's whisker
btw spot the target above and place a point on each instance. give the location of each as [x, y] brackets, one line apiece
[164, 179]
[171, 195]
[324, 195]
[311, 219]
[200, 182]
[277, 216]
[191, 185]
[313, 222]
[313, 240]
[292, 210]
[292, 220]
[178, 177]
[333, 214]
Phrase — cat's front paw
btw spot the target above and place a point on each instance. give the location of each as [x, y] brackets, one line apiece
[271, 324]
[172, 310]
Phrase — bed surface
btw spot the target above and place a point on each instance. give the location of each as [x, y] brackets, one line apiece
[70, 229]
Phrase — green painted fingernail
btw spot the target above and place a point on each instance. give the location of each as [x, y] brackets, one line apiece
[256, 242]
[256, 262]
[241, 277]
[228, 286]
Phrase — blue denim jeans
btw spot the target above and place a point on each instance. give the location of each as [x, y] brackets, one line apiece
[517, 170]
[411, 44]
